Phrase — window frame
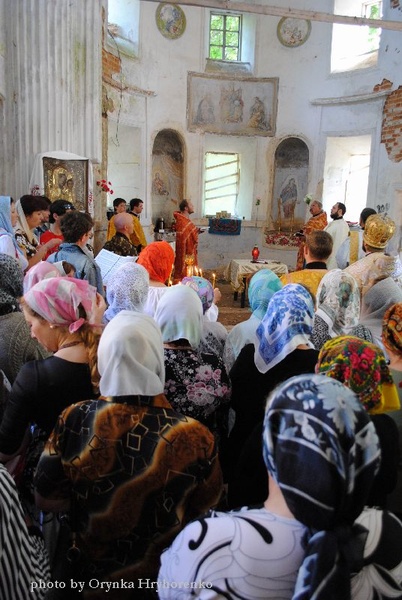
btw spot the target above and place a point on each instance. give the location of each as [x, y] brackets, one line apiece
[237, 172]
[225, 31]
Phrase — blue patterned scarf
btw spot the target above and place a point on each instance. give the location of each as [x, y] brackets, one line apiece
[287, 323]
[322, 449]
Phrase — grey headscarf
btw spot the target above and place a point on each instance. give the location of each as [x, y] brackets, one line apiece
[11, 284]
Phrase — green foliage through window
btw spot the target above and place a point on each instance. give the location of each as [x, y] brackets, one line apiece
[225, 37]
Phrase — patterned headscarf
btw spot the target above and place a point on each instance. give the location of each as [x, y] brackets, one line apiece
[11, 278]
[42, 270]
[127, 289]
[287, 323]
[23, 224]
[322, 449]
[158, 259]
[362, 367]
[392, 328]
[262, 287]
[338, 302]
[203, 288]
[5, 222]
[60, 300]
[130, 356]
[179, 315]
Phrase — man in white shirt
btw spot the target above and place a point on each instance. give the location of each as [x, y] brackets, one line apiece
[339, 231]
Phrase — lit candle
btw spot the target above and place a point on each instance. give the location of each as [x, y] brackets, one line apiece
[213, 280]
[170, 282]
[196, 270]
[200, 272]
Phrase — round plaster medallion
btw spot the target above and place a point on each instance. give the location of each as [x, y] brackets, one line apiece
[293, 32]
[171, 20]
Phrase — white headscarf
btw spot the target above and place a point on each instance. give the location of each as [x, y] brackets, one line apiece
[179, 315]
[127, 289]
[130, 356]
[23, 224]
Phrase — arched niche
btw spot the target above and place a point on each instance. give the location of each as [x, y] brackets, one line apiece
[167, 175]
[290, 185]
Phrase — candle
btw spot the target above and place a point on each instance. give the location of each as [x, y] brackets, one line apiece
[196, 270]
[170, 282]
[200, 272]
[213, 280]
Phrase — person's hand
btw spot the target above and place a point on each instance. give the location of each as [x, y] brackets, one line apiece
[217, 295]
[100, 307]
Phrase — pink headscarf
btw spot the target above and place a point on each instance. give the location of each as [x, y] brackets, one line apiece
[57, 300]
[43, 270]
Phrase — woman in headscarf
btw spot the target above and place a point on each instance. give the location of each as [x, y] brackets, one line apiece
[362, 367]
[262, 287]
[158, 259]
[282, 349]
[214, 334]
[42, 270]
[196, 384]
[312, 538]
[8, 220]
[376, 301]
[338, 307]
[127, 289]
[136, 469]
[63, 314]
[392, 340]
[29, 210]
[16, 345]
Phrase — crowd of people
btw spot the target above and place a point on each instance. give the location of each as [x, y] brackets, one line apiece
[146, 451]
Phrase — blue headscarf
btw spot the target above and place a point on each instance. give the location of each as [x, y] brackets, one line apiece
[262, 287]
[322, 449]
[5, 222]
[288, 322]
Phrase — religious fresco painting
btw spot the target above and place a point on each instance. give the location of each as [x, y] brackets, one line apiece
[66, 180]
[231, 105]
[288, 209]
[167, 175]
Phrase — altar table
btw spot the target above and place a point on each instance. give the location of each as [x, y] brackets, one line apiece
[240, 270]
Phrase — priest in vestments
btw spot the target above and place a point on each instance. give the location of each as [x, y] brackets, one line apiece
[186, 239]
[318, 220]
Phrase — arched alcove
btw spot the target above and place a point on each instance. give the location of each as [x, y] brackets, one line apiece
[290, 184]
[167, 175]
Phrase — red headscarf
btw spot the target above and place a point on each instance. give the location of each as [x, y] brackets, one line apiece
[158, 259]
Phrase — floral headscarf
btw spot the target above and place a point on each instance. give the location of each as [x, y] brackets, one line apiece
[11, 278]
[392, 328]
[203, 288]
[179, 315]
[59, 300]
[360, 366]
[262, 287]
[42, 270]
[287, 323]
[158, 259]
[338, 302]
[322, 449]
[127, 289]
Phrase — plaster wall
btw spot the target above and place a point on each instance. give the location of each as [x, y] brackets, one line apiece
[304, 79]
